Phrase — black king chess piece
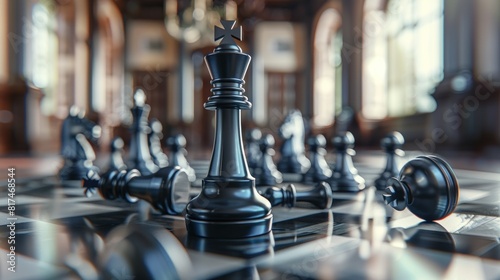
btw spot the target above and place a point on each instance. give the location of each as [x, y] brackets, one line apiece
[345, 177]
[139, 156]
[391, 144]
[76, 150]
[229, 205]
[426, 185]
[167, 190]
[319, 171]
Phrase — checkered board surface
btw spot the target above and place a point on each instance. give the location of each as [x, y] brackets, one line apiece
[357, 238]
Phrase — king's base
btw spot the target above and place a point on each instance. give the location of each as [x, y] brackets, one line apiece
[229, 229]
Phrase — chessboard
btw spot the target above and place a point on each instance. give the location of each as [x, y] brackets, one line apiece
[60, 234]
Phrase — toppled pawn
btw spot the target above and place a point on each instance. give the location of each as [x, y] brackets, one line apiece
[320, 196]
[345, 177]
[266, 173]
[427, 186]
[139, 156]
[155, 135]
[167, 191]
[391, 144]
[177, 146]
[252, 139]
[116, 155]
[319, 171]
[76, 149]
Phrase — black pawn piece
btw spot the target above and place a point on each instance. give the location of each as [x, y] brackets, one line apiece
[155, 135]
[345, 177]
[116, 156]
[391, 144]
[320, 196]
[266, 173]
[426, 185]
[319, 171]
[177, 146]
[252, 138]
[76, 149]
[167, 191]
[293, 159]
[229, 205]
[139, 156]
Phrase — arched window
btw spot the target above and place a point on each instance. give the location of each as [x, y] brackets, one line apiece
[327, 68]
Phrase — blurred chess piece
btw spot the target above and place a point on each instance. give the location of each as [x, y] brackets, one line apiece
[155, 135]
[293, 159]
[427, 186]
[391, 144]
[76, 149]
[345, 177]
[266, 173]
[116, 155]
[319, 171]
[177, 146]
[139, 156]
[252, 149]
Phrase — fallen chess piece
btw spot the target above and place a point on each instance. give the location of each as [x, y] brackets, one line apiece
[76, 149]
[266, 173]
[427, 186]
[320, 196]
[167, 190]
[391, 144]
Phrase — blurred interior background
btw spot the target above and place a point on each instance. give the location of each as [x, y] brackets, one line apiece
[427, 68]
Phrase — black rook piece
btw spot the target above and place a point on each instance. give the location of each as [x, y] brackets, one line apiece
[177, 145]
[427, 186]
[319, 171]
[116, 158]
[139, 156]
[266, 173]
[228, 205]
[167, 190]
[76, 150]
[320, 196]
[391, 144]
[155, 135]
[252, 138]
[345, 177]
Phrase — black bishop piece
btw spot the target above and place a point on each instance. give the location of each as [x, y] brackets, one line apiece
[229, 205]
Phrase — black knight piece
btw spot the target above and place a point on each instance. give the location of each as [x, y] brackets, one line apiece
[426, 185]
[155, 135]
[345, 177]
[116, 155]
[177, 146]
[228, 205]
[391, 144]
[167, 190]
[76, 150]
[293, 159]
[319, 171]
[266, 173]
[320, 196]
[139, 156]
